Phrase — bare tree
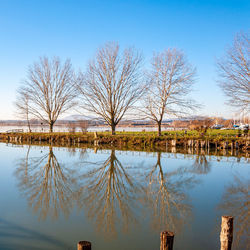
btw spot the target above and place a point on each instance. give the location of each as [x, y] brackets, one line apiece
[234, 73]
[112, 83]
[50, 89]
[170, 81]
[22, 106]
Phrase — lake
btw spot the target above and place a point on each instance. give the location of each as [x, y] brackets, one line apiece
[39, 129]
[53, 197]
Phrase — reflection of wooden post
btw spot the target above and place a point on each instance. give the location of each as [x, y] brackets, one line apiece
[226, 234]
[84, 245]
[167, 240]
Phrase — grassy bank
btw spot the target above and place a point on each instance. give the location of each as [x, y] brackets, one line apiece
[212, 138]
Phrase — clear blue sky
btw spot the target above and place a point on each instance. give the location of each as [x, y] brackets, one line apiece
[75, 29]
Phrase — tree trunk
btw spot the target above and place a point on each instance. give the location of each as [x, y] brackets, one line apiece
[29, 125]
[113, 125]
[159, 128]
[51, 124]
[28, 122]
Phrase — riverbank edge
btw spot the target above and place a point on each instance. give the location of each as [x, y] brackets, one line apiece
[142, 140]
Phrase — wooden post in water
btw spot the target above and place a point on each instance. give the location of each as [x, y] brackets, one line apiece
[84, 245]
[173, 143]
[190, 143]
[226, 234]
[167, 240]
[202, 144]
[225, 145]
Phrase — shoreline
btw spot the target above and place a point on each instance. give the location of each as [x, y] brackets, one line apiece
[138, 139]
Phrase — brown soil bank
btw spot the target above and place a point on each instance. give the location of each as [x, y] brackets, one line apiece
[141, 140]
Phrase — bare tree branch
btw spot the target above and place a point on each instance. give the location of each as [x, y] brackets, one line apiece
[22, 105]
[234, 73]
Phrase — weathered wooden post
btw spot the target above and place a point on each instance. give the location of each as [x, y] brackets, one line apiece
[84, 245]
[173, 143]
[197, 144]
[167, 240]
[225, 145]
[190, 143]
[226, 234]
[202, 144]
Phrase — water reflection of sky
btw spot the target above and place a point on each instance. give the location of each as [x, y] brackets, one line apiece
[58, 196]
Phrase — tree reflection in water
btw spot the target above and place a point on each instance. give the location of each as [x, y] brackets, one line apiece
[48, 186]
[165, 195]
[109, 194]
[236, 202]
[201, 164]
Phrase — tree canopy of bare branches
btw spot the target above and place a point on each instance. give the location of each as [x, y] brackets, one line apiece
[49, 89]
[112, 83]
[234, 73]
[169, 80]
[22, 106]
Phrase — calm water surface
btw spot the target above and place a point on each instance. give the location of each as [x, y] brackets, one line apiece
[51, 198]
